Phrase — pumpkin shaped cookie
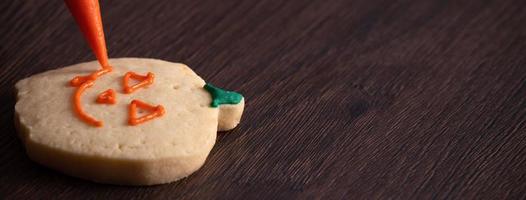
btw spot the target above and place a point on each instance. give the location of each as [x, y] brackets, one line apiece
[157, 120]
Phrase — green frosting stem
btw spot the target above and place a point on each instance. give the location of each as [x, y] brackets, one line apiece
[220, 96]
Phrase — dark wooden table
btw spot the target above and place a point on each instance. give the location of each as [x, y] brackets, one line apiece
[347, 99]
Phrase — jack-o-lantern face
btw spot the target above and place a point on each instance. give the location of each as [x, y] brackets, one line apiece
[177, 87]
[110, 97]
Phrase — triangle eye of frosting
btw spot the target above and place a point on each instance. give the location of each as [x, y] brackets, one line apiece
[153, 112]
[144, 80]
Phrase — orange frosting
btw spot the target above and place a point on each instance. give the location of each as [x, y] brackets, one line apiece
[78, 108]
[107, 97]
[144, 81]
[155, 111]
[88, 17]
[79, 80]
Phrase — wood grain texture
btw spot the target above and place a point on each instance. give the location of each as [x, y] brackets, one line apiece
[346, 99]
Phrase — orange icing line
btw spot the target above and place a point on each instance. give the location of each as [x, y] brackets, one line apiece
[78, 108]
[79, 80]
[88, 17]
[82, 83]
[155, 111]
[144, 81]
[107, 97]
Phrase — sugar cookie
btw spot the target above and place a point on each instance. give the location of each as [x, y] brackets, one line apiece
[157, 132]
